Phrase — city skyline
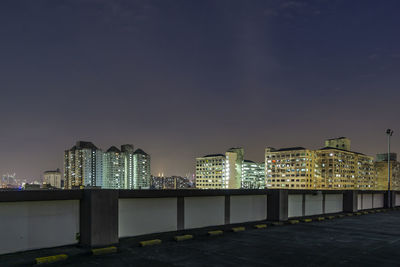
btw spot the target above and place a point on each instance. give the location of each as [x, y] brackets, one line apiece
[184, 79]
[259, 159]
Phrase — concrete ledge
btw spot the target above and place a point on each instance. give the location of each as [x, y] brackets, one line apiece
[238, 229]
[215, 233]
[51, 259]
[150, 242]
[107, 250]
[179, 238]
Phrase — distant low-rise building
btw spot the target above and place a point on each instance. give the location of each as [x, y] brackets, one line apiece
[173, 182]
[53, 179]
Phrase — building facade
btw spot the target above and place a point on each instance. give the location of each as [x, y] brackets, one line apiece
[141, 169]
[332, 167]
[127, 154]
[253, 175]
[291, 168]
[83, 165]
[229, 171]
[113, 169]
[211, 172]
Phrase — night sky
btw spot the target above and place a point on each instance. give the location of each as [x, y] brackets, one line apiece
[185, 78]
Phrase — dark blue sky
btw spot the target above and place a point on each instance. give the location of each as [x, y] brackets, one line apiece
[182, 78]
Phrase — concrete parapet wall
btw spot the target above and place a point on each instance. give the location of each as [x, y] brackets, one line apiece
[33, 220]
[38, 224]
[140, 216]
[248, 208]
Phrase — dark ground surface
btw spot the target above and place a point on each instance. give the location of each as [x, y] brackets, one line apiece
[367, 240]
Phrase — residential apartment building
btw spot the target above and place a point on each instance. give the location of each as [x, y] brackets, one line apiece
[291, 168]
[332, 167]
[127, 154]
[113, 169]
[233, 171]
[141, 169]
[87, 165]
[83, 165]
[228, 171]
[211, 172]
[342, 169]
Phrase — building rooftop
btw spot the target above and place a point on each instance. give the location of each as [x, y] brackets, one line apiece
[55, 171]
[140, 151]
[214, 155]
[349, 241]
[328, 147]
[83, 145]
[337, 138]
[290, 149]
[113, 149]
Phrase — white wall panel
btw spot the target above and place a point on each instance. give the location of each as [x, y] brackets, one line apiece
[295, 205]
[359, 202]
[139, 216]
[313, 204]
[204, 211]
[333, 203]
[378, 200]
[367, 201]
[397, 199]
[248, 208]
[38, 224]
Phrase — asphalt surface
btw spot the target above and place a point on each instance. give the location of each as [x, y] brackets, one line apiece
[366, 240]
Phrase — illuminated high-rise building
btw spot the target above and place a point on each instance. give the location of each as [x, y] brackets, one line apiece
[113, 169]
[83, 165]
[141, 169]
[127, 153]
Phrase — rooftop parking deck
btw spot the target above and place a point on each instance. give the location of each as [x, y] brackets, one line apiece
[364, 240]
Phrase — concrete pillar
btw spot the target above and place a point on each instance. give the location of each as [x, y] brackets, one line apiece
[227, 209]
[392, 200]
[181, 213]
[350, 201]
[277, 205]
[99, 217]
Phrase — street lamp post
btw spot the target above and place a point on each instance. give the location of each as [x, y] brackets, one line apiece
[389, 133]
